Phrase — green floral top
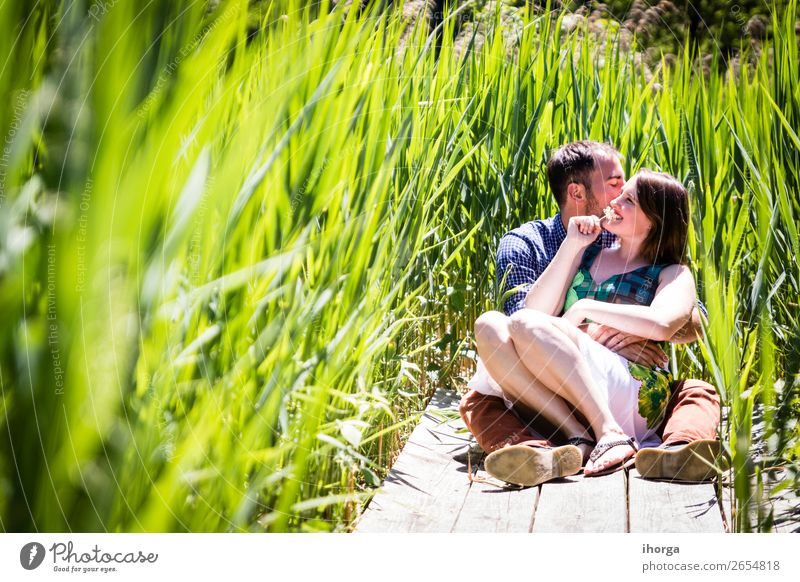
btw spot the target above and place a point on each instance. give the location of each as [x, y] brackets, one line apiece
[636, 287]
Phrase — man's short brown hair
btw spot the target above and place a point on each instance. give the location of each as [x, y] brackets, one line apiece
[574, 163]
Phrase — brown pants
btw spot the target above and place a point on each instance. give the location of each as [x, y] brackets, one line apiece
[693, 413]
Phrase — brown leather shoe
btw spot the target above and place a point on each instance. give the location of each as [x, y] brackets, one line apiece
[699, 460]
[527, 466]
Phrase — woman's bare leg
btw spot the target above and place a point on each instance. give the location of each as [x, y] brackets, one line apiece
[497, 351]
[548, 347]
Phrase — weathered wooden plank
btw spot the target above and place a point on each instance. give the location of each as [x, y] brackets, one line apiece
[421, 495]
[491, 508]
[672, 507]
[582, 504]
[783, 501]
[784, 505]
[426, 488]
[786, 515]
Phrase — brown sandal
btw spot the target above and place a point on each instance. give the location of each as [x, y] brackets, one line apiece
[581, 441]
[602, 449]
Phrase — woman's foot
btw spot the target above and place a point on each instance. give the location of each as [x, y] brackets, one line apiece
[612, 451]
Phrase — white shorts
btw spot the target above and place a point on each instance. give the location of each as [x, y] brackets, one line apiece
[611, 376]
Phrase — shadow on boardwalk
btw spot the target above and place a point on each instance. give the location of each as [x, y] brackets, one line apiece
[428, 490]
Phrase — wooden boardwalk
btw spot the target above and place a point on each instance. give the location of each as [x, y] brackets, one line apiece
[428, 490]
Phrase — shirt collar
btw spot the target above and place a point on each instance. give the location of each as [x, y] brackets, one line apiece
[559, 227]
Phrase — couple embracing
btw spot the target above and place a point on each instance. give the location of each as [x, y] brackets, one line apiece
[573, 375]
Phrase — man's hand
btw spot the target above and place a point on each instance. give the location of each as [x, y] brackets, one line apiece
[631, 347]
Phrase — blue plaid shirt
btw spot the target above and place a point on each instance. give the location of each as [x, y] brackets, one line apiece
[525, 252]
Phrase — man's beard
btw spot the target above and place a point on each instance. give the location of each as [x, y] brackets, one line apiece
[592, 205]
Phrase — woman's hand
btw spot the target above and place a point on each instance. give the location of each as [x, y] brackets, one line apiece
[583, 231]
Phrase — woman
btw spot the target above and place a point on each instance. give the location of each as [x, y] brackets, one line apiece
[644, 289]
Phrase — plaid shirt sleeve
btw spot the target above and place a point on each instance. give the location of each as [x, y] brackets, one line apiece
[518, 265]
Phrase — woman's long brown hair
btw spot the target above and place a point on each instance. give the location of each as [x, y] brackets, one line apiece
[665, 202]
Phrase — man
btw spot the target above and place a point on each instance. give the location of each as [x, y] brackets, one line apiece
[584, 177]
